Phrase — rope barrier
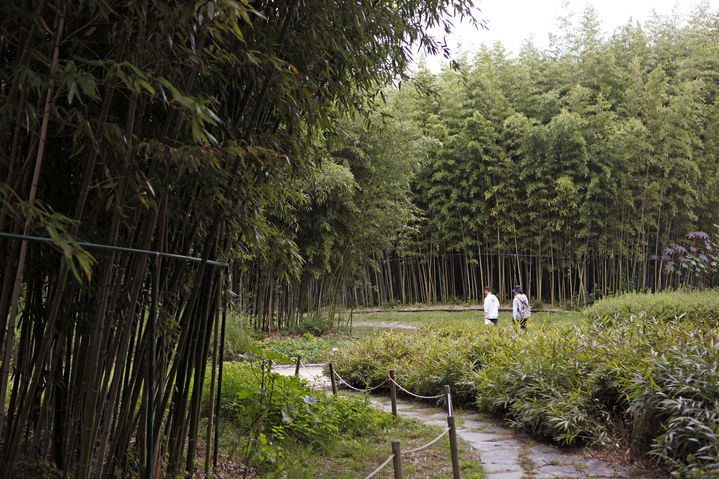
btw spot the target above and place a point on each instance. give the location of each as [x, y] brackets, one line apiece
[405, 453]
[419, 396]
[307, 366]
[361, 390]
[279, 365]
[411, 451]
[316, 365]
[395, 445]
[374, 473]
[413, 394]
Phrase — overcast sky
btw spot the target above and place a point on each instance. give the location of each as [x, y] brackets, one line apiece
[513, 21]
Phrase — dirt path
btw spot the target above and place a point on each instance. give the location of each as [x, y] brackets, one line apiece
[505, 454]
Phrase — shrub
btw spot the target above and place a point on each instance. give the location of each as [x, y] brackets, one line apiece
[424, 362]
[536, 303]
[316, 324]
[269, 408]
[684, 386]
[651, 384]
[312, 348]
[239, 333]
[702, 306]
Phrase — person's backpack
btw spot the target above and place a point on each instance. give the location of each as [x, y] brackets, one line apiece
[524, 310]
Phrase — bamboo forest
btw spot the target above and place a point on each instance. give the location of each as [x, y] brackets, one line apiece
[187, 189]
[569, 170]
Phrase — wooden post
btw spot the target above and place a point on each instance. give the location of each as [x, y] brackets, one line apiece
[448, 399]
[397, 460]
[453, 447]
[297, 367]
[332, 379]
[393, 392]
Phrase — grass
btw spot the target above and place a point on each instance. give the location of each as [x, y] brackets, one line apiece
[298, 432]
[423, 318]
[693, 305]
[350, 458]
[312, 349]
[318, 349]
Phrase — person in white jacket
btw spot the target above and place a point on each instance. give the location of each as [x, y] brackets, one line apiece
[491, 307]
[521, 310]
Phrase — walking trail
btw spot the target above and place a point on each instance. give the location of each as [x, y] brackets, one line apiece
[505, 454]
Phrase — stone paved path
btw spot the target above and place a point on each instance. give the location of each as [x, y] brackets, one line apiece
[311, 372]
[504, 453]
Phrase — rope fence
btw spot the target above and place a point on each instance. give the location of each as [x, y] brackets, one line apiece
[390, 378]
[417, 449]
[418, 396]
[381, 466]
[396, 457]
[358, 389]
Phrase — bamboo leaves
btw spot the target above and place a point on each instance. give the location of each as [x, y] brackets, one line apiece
[176, 127]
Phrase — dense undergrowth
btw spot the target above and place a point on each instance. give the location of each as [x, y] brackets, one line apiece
[272, 414]
[694, 305]
[313, 343]
[647, 384]
[278, 426]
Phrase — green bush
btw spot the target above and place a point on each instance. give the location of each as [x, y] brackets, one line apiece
[269, 409]
[536, 303]
[316, 324]
[537, 382]
[690, 305]
[239, 333]
[424, 361]
[684, 388]
[648, 383]
[311, 348]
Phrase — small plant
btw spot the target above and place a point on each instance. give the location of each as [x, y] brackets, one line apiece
[536, 303]
[456, 301]
[271, 410]
[316, 324]
[38, 469]
[700, 260]
[239, 333]
[311, 348]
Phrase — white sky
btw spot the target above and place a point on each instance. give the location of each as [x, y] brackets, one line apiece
[513, 21]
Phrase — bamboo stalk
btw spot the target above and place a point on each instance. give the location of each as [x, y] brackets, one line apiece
[9, 338]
